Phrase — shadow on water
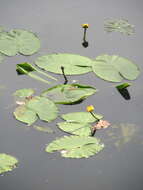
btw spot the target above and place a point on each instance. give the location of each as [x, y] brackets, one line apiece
[124, 93]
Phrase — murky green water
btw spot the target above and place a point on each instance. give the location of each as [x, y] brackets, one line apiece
[58, 24]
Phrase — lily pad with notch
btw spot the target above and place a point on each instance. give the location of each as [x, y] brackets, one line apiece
[73, 64]
[69, 93]
[34, 108]
[18, 41]
[81, 117]
[115, 68]
[76, 146]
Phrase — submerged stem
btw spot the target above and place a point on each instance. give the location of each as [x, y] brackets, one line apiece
[66, 80]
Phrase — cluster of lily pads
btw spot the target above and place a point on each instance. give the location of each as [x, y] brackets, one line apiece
[80, 143]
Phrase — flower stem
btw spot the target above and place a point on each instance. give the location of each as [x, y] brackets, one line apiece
[94, 116]
[63, 72]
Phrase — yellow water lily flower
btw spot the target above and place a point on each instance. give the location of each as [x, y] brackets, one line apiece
[85, 25]
[90, 108]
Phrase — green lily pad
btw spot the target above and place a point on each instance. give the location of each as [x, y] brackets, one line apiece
[35, 107]
[73, 64]
[22, 41]
[80, 129]
[123, 86]
[27, 42]
[25, 115]
[115, 68]
[43, 107]
[7, 163]
[69, 93]
[76, 146]
[25, 92]
[81, 117]
[8, 45]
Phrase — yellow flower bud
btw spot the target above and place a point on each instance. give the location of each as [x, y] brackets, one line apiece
[90, 108]
[85, 25]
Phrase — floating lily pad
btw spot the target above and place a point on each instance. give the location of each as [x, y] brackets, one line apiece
[119, 25]
[69, 93]
[80, 129]
[115, 68]
[25, 92]
[83, 117]
[43, 107]
[73, 64]
[7, 163]
[25, 115]
[76, 146]
[22, 41]
[43, 129]
[27, 42]
[36, 107]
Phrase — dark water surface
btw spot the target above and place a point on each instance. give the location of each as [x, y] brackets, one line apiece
[58, 24]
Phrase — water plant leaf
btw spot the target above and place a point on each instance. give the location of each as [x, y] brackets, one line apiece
[73, 64]
[43, 107]
[80, 129]
[7, 163]
[83, 117]
[27, 42]
[119, 25]
[83, 152]
[76, 146]
[25, 115]
[122, 89]
[43, 129]
[69, 93]
[27, 69]
[8, 45]
[22, 41]
[115, 68]
[24, 92]
[122, 86]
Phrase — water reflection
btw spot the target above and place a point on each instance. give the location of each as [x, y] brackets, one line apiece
[124, 133]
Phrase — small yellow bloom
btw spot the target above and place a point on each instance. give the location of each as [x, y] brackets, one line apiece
[85, 25]
[90, 108]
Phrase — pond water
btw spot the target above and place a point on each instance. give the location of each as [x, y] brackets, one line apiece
[58, 24]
